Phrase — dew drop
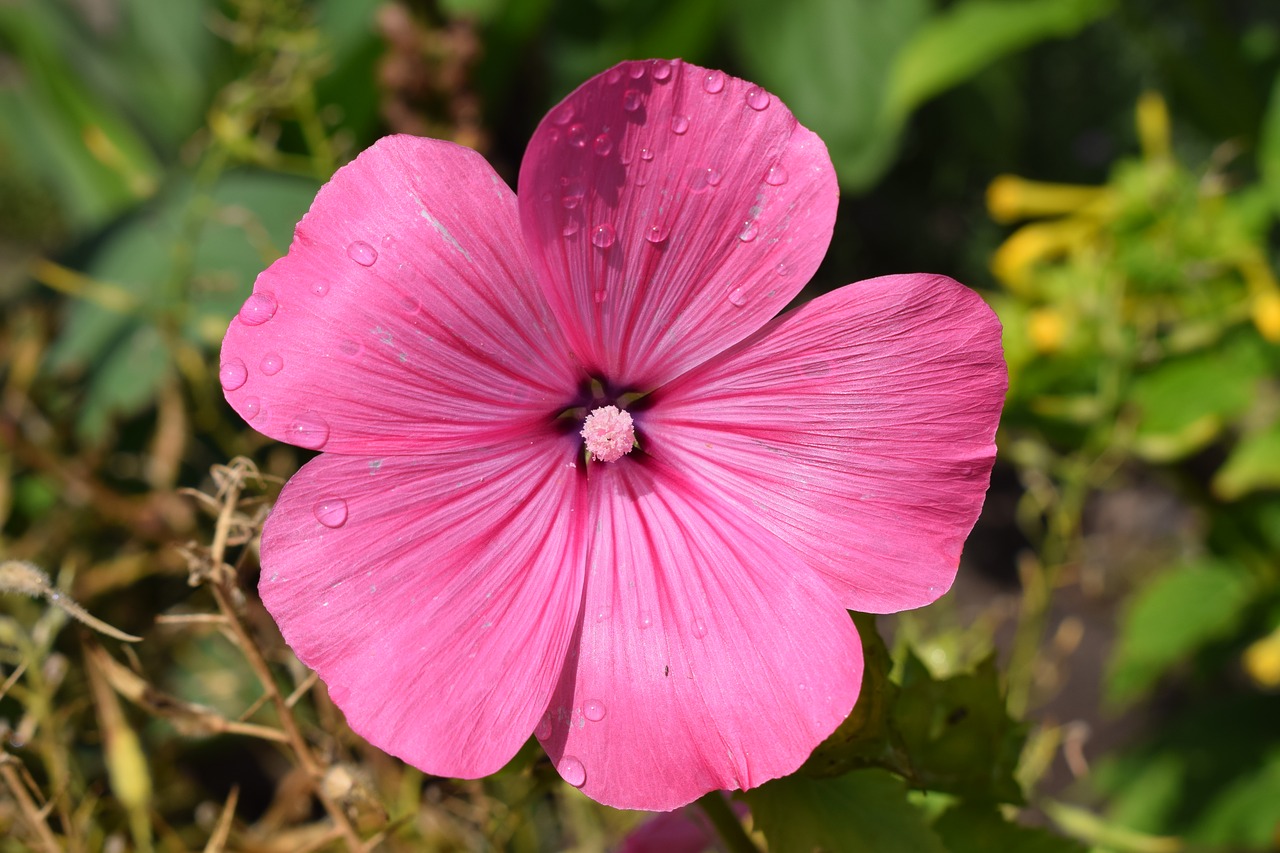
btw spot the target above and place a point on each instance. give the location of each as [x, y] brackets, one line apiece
[409, 304]
[777, 176]
[332, 512]
[656, 233]
[233, 374]
[603, 145]
[646, 154]
[603, 235]
[562, 114]
[782, 269]
[646, 619]
[699, 628]
[631, 100]
[320, 288]
[662, 70]
[704, 179]
[757, 98]
[350, 348]
[613, 76]
[572, 771]
[749, 231]
[713, 82]
[308, 431]
[570, 228]
[738, 297]
[593, 711]
[251, 408]
[679, 125]
[544, 728]
[599, 296]
[577, 135]
[362, 253]
[636, 70]
[258, 308]
[388, 241]
[574, 192]
[272, 363]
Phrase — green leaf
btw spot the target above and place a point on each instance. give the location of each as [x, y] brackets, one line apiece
[866, 811]
[958, 43]
[958, 733]
[1245, 812]
[831, 62]
[970, 829]
[1184, 403]
[1254, 463]
[866, 738]
[1171, 618]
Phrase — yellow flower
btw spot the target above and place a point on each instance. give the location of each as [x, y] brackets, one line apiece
[1262, 661]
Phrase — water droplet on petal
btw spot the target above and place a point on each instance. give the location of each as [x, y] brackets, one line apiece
[572, 771]
[570, 228]
[603, 235]
[749, 231]
[656, 233]
[782, 269]
[662, 70]
[593, 711]
[777, 176]
[713, 82]
[757, 98]
[258, 308]
[562, 114]
[613, 76]
[272, 363]
[704, 179]
[308, 431]
[251, 408]
[738, 297]
[636, 70]
[543, 731]
[362, 253]
[320, 288]
[574, 192]
[577, 135]
[679, 125]
[631, 100]
[603, 145]
[646, 619]
[409, 304]
[350, 348]
[388, 241]
[331, 512]
[233, 374]
[646, 154]
[699, 628]
[599, 295]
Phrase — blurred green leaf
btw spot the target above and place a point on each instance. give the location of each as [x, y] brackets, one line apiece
[1269, 147]
[958, 733]
[831, 61]
[1247, 811]
[970, 829]
[1184, 403]
[1170, 619]
[126, 381]
[866, 811]
[1254, 463]
[968, 36]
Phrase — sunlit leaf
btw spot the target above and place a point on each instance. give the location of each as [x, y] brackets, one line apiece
[1254, 463]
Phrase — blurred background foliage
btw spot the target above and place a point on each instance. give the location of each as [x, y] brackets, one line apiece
[1106, 674]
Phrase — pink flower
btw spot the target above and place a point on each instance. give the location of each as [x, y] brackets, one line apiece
[669, 617]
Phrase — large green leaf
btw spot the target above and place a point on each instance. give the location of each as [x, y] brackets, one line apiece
[831, 61]
[958, 733]
[1170, 619]
[1269, 147]
[961, 41]
[866, 810]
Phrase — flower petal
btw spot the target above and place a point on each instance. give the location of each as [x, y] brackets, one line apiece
[708, 656]
[670, 212]
[858, 428]
[436, 596]
[405, 313]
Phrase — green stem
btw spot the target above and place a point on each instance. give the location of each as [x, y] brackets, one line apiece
[726, 823]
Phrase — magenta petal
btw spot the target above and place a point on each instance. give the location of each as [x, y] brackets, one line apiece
[670, 212]
[406, 313]
[859, 429]
[436, 596]
[708, 656]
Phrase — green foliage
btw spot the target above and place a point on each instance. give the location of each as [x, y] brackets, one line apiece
[1173, 617]
[974, 829]
[865, 810]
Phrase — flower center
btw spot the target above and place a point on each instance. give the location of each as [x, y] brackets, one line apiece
[609, 433]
